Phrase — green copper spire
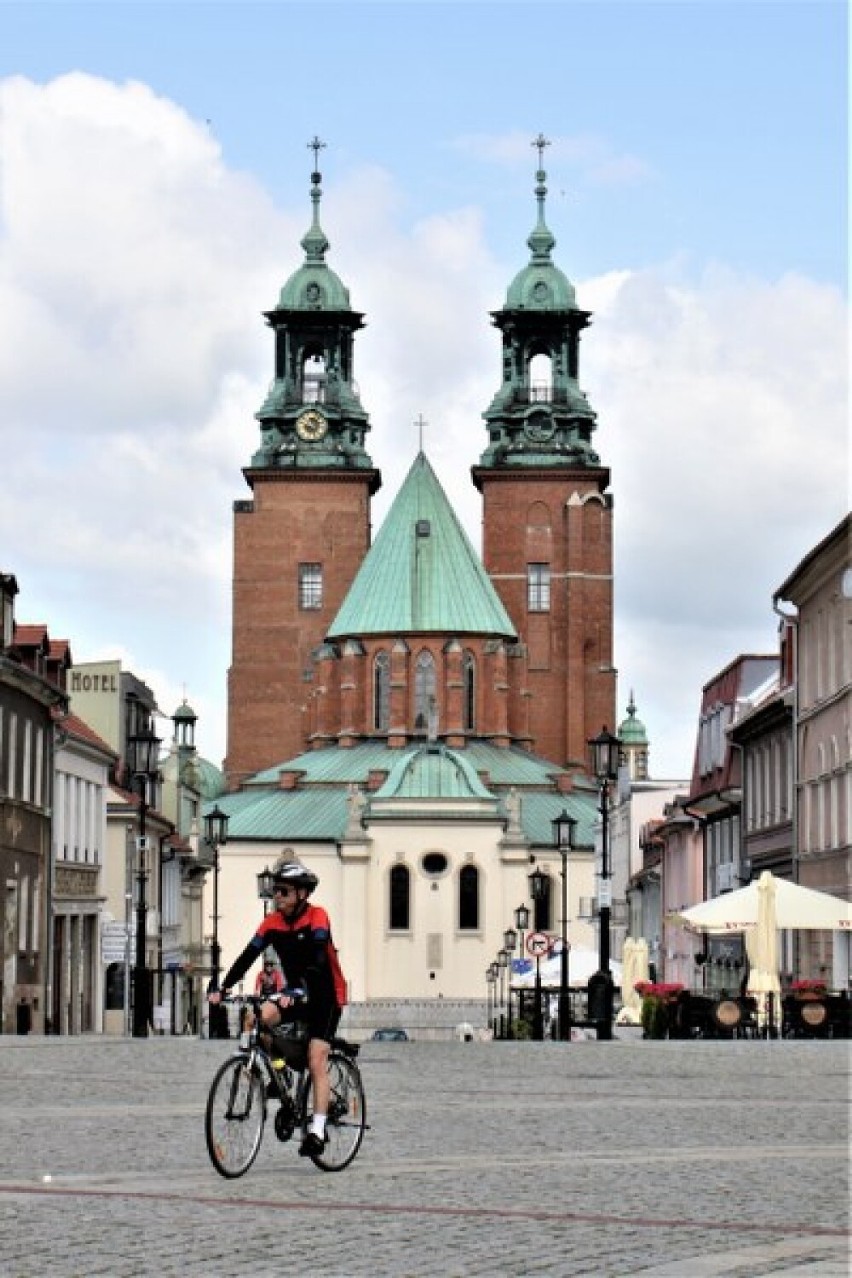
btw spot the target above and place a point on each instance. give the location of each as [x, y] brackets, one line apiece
[541, 241]
[315, 242]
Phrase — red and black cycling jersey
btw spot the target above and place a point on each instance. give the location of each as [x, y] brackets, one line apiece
[306, 952]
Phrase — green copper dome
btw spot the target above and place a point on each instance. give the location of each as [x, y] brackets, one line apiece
[632, 730]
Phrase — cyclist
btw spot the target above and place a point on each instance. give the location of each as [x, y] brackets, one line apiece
[300, 934]
[269, 980]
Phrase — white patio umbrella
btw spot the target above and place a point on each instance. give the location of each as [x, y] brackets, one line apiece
[795, 907]
[634, 968]
[581, 964]
[762, 948]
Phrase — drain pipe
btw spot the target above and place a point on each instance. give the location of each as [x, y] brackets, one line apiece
[791, 622]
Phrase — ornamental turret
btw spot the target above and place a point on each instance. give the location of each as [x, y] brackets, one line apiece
[312, 416]
[539, 415]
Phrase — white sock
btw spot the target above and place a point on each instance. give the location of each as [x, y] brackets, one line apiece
[318, 1125]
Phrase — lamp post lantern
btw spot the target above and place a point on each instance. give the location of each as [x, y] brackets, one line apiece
[563, 836]
[538, 891]
[143, 760]
[606, 751]
[265, 888]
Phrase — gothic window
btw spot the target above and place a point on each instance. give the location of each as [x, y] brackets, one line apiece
[538, 587]
[469, 691]
[381, 691]
[424, 691]
[310, 586]
[400, 899]
[468, 898]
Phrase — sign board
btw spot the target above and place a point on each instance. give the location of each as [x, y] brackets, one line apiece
[113, 942]
[538, 944]
[605, 893]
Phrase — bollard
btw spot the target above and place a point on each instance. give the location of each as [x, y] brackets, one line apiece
[24, 1017]
[600, 994]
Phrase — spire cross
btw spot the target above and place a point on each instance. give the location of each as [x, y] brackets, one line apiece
[541, 142]
[316, 146]
[420, 423]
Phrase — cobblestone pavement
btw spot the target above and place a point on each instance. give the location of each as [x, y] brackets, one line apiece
[669, 1160]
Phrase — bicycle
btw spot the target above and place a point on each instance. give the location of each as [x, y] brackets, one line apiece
[272, 1065]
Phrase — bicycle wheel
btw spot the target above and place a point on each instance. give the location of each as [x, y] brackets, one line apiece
[347, 1113]
[236, 1113]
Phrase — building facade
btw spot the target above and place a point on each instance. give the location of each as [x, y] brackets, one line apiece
[31, 695]
[406, 716]
[820, 590]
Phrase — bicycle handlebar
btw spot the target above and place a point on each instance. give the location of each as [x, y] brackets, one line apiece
[296, 992]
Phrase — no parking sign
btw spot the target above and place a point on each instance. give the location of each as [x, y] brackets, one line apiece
[539, 944]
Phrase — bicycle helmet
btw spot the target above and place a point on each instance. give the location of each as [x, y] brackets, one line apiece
[287, 872]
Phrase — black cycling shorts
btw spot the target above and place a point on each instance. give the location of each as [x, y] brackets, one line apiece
[321, 1018]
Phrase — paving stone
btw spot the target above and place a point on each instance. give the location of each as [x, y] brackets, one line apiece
[669, 1160]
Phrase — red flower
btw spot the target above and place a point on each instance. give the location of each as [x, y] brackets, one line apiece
[809, 987]
[657, 989]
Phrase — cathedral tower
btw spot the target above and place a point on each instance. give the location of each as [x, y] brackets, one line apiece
[547, 514]
[300, 539]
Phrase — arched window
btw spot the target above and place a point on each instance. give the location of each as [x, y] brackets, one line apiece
[400, 899]
[313, 379]
[381, 691]
[541, 378]
[468, 898]
[114, 987]
[542, 908]
[424, 691]
[469, 691]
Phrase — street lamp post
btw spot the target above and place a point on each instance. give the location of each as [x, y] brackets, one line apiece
[538, 891]
[502, 964]
[491, 976]
[606, 750]
[563, 836]
[216, 833]
[510, 940]
[522, 922]
[143, 759]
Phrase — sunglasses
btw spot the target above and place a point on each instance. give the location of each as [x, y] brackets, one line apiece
[286, 891]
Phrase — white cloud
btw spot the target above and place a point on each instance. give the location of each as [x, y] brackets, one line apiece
[133, 269]
[588, 154]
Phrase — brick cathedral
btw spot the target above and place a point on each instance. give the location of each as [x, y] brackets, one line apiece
[338, 642]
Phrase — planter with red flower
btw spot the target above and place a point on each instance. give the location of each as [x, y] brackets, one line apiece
[658, 1002]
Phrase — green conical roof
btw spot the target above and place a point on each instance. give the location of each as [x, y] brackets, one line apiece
[421, 573]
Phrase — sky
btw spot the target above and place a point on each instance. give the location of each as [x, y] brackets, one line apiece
[154, 186]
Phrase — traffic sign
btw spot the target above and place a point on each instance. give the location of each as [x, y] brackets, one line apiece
[538, 944]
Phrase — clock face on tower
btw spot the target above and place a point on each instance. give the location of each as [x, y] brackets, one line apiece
[311, 425]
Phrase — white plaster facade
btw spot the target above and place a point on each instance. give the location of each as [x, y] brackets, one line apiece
[433, 957]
